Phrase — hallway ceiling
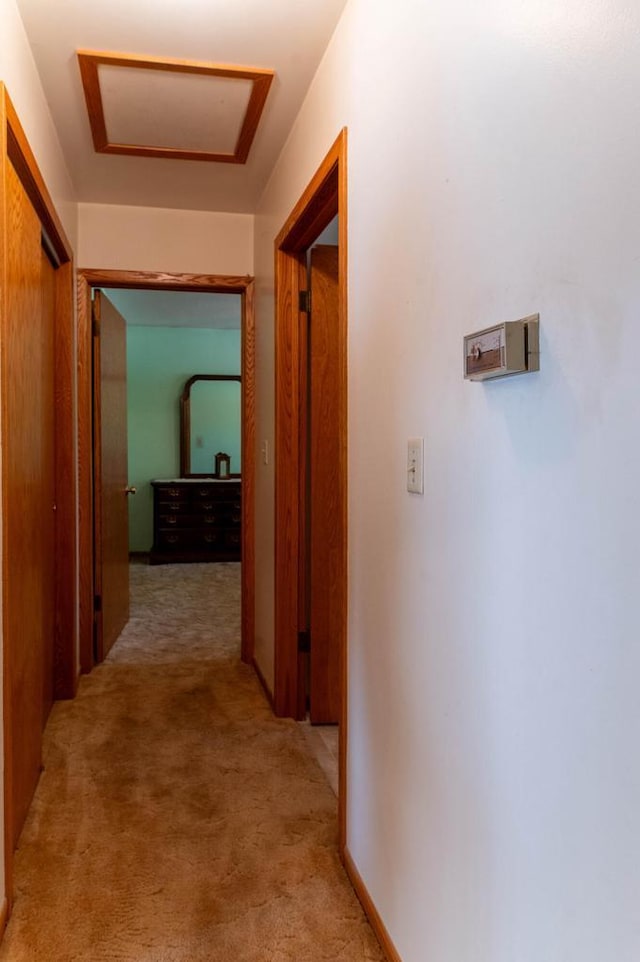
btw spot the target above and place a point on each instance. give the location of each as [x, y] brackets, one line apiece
[285, 36]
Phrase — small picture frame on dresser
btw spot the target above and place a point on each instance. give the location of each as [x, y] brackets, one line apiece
[222, 466]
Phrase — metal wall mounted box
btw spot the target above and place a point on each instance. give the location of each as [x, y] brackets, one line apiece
[503, 350]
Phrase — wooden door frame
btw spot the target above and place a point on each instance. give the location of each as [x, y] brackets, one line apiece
[15, 150]
[89, 278]
[324, 198]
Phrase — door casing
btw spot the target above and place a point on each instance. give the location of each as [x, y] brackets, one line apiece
[324, 198]
[149, 280]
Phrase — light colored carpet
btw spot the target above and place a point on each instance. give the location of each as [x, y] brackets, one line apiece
[176, 819]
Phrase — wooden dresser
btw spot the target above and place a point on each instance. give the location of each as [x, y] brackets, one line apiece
[196, 519]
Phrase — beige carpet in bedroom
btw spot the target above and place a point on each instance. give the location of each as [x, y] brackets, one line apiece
[176, 819]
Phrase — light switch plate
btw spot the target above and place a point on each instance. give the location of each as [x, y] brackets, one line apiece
[415, 465]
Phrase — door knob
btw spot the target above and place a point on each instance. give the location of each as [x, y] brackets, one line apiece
[130, 489]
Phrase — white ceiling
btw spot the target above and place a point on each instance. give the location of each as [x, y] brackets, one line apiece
[177, 309]
[288, 36]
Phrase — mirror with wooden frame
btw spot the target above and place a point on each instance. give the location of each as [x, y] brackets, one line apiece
[210, 425]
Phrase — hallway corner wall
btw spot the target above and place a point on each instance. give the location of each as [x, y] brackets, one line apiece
[494, 787]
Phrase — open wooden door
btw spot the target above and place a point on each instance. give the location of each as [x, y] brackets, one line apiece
[326, 576]
[110, 479]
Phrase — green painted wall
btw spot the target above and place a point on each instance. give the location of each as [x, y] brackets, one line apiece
[159, 361]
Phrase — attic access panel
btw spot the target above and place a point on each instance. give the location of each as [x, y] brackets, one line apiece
[178, 109]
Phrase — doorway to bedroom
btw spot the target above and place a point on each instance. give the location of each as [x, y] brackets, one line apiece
[186, 365]
[183, 367]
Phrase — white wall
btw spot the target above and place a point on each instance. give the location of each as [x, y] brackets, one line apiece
[156, 239]
[494, 150]
[18, 73]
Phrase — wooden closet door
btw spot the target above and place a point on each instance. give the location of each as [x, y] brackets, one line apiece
[28, 496]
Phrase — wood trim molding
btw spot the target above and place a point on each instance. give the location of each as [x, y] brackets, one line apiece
[85, 470]
[343, 207]
[66, 597]
[318, 204]
[89, 62]
[248, 570]
[7, 714]
[370, 909]
[22, 158]
[324, 197]
[4, 916]
[160, 280]
[151, 280]
[287, 484]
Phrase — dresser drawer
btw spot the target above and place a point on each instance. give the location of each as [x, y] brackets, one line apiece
[172, 507]
[171, 492]
[206, 519]
[189, 538]
[174, 537]
[234, 515]
[204, 505]
[233, 539]
[208, 493]
[217, 512]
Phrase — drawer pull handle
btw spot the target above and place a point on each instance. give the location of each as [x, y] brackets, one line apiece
[173, 492]
[172, 538]
[208, 506]
[210, 519]
[209, 538]
[172, 519]
[174, 507]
